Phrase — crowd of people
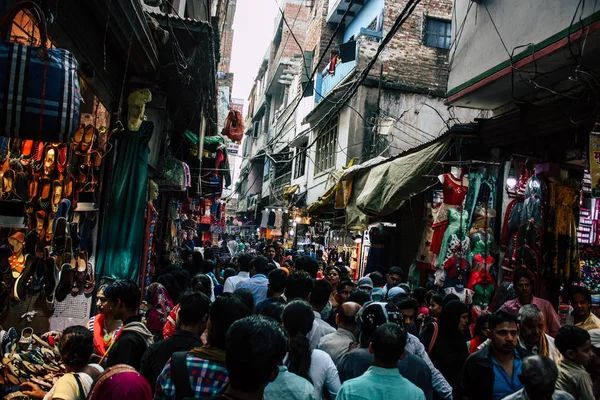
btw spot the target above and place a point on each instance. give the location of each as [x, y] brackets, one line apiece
[270, 327]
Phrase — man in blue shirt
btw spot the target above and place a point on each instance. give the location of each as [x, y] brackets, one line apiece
[258, 283]
[493, 372]
[382, 380]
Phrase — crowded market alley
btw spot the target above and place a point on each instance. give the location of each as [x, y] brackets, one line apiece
[300, 199]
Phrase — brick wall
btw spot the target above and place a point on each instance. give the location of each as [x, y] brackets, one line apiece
[297, 16]
[226, 22]
[407, 63]
[319, 32]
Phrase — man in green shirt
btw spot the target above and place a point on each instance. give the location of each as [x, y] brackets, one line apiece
[382, 381]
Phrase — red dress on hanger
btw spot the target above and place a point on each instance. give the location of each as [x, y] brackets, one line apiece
[454, 195]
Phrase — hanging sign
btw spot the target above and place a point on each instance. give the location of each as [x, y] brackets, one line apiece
[595, 160]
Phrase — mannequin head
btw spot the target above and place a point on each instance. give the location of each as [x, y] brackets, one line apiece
[152, 190]
[456, 171]
[137, 106]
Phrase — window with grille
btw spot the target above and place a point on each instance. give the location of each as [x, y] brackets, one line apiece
[300, 162]
[438, 33]
[327, 147]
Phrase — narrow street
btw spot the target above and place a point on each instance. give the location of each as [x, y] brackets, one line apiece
[300, 199]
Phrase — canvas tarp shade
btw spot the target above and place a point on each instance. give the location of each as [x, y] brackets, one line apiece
[382, 189]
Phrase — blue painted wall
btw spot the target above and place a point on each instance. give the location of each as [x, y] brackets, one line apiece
[370, 11]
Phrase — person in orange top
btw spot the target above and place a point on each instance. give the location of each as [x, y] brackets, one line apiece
[104, 327]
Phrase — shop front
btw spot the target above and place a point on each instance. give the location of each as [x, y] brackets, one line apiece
[94, 185]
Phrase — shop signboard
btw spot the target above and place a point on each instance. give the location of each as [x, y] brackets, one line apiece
[595, 160]
[232, 147]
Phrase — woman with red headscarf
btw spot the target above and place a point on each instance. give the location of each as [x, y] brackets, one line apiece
[160, 306]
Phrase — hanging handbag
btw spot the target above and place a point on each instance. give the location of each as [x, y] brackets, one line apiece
[39, 87]
[234, 126]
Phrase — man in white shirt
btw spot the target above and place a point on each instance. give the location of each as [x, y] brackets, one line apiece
[242, 276]
[318, 299]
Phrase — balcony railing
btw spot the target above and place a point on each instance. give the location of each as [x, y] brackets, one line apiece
[329, 82]
[279, 183]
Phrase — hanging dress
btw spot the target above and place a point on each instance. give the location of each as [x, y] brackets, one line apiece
[122, 238]
[456, 227]
[562, 232]
[454, 195]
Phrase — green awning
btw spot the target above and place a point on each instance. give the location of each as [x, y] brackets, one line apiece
[383, 188]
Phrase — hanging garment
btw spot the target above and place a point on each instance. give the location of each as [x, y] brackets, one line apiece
[120, 250]
[464, 295]
[425, 256]
[533, 207]
[264, 218]
[483, 294]
[563, 254]
[475, 181]
[454, 195]
[481, 243]
[482, 219]
[333, 64]
[278, 219]
[148, 257]
[512, 220]
[271, 220]
[456, 225]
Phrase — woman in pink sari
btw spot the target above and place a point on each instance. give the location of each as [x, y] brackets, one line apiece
[121, 382]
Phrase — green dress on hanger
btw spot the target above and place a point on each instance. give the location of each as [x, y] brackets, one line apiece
[122, 234]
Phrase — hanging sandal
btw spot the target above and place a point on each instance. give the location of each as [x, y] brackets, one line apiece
[80, 273]
[60, 237]
[33, 188]
[65, 282]
[45, 193]
[90, 281]
[51, 278]
[61, 165]
[8, 185]
[38, 152]
[88, 138]
[69, 185]
[40, 217]
[78, 137]
[27, 151]
[20, 286]
[49, 230]
[17, 260]
[57, 192]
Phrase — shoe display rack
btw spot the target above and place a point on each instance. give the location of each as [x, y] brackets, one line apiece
[48, 213]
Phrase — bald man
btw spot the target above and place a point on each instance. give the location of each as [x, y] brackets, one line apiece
[338, 343]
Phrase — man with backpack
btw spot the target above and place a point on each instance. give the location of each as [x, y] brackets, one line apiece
[202, 372]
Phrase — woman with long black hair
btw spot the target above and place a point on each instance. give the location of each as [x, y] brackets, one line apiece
[316, 365]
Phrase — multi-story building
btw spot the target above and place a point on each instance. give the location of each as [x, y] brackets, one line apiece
[398, 105]
[506, 59]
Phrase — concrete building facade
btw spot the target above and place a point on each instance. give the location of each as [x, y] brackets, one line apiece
[399, 104]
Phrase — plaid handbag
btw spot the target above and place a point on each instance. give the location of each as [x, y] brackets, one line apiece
[39, 87]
